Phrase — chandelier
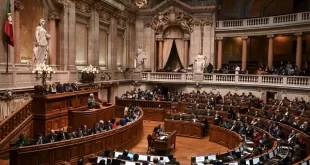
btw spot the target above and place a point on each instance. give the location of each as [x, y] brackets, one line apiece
[140, 3]
[43, 72]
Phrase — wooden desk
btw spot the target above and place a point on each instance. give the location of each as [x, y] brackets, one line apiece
[224, 136]
[184, 128]
[165, 145]
[73, 149]
[90, 116]
[51, 111]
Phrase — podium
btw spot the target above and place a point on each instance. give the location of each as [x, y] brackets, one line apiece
[51, 111]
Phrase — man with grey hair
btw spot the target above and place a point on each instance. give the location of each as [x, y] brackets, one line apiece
[92, 102]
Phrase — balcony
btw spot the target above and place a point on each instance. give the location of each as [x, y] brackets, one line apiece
[229, 79]
[264, 22]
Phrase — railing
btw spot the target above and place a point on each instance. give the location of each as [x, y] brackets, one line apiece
[297, 81]
[9, 106]
[14, 120]
[263, 22]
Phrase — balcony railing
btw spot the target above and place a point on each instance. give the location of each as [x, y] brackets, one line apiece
[297, 81]
[264, 22]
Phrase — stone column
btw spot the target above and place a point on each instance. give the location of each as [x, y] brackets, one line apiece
[71, 37]
[160, 53]
[244, 51]
[53, 16]
[270, 50]
[219, 52]
[17, 7]
[299, 50]
[186, 52]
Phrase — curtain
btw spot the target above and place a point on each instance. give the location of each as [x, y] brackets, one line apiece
[166, 51]
[180, 48]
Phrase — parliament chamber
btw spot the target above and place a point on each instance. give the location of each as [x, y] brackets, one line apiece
[154, 82]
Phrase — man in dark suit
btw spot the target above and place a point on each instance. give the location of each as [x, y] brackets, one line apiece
[62, 135]
[124, 156]
[51, 137]
[172, 160]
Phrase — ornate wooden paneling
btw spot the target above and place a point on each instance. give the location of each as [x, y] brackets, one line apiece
[224, 137]
[52, 110]
[71, 150]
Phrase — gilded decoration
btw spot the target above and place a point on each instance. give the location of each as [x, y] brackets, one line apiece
[172, 17]
[82, 6]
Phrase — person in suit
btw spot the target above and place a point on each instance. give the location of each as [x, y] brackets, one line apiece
[92, 102]
[124, 156]
[80, 161]
[96, 128]
[60, 88]
[108, 126]
[62, 135]
[102, 126]
[52, 137]
[74, 87]
[40, 139]
[172, 160]
[85, 131]
[266, 141]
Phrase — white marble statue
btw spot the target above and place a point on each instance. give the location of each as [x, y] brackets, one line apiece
[41, 44]
[140, 58]
[199, 63]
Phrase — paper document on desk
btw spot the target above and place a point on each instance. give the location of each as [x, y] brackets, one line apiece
[162, 137]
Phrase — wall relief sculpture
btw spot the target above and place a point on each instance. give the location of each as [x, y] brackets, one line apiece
[172, 17]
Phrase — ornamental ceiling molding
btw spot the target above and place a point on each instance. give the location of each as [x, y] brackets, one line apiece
[129, 5]
[170, 17]
[176, 3]
[203, 21]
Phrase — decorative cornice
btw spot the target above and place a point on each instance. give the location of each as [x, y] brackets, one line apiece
[53, 15]
[177, 3]
[203, 22]
[83, 6]
[62, 2]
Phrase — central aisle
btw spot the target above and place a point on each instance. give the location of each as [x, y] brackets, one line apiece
[185, 147]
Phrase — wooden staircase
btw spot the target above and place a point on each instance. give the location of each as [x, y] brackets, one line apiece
[11, 127]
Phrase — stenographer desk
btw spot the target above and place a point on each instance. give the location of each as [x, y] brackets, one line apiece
[165, 145]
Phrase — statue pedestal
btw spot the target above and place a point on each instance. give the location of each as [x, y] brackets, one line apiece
[198, 77]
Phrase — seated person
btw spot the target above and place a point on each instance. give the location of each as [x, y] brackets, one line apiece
[68, 88]
[124, 156]
[60, 88]
[52, 137]
[74, 87]
[62, 135]
[96, 128]
[40, 139]
[172, 160]
[22, 141]
[53, 88]
[92, 102]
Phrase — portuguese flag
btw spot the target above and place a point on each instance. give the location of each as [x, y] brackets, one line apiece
[8, 28]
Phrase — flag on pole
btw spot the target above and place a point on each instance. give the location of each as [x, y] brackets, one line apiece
[8, 27]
